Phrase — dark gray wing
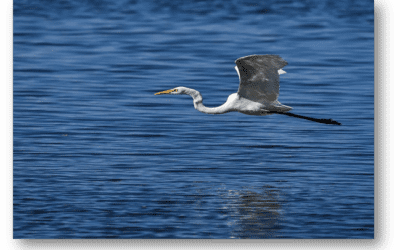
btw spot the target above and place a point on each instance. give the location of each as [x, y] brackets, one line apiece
[259, 77]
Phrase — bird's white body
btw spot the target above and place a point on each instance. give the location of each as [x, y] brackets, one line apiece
[234, 103]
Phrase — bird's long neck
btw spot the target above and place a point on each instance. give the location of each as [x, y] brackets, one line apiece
[198, 103]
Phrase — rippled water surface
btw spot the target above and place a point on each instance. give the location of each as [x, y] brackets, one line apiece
[97, 155]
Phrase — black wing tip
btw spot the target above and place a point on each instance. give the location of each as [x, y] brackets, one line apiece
[258, 56]
[282, 62]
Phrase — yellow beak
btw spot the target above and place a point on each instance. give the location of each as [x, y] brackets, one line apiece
[165, 92]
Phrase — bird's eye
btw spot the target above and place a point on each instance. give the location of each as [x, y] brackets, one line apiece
[175, 90]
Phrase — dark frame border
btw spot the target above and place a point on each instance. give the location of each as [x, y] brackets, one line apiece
[384, 165]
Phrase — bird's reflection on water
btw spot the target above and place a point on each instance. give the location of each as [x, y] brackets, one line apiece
[255, 213]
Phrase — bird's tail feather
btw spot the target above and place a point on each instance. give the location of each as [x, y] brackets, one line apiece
[277, 107]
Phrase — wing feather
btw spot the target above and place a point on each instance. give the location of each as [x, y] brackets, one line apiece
[259, 77]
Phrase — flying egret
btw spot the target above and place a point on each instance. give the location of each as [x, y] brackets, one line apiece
[258, 90]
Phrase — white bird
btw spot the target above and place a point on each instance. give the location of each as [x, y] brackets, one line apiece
[258, 90]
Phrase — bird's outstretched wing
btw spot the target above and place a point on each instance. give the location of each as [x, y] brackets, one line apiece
[259, 77]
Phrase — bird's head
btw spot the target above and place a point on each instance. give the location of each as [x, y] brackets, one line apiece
[175, 91]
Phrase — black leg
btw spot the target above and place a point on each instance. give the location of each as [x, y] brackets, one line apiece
[325, 121]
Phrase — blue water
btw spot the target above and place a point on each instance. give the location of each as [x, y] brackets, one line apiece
[97, 155]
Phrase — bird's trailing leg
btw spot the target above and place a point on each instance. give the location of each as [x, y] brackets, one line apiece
[325, 121]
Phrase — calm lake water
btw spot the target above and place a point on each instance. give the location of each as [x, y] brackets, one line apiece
[97, 155]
